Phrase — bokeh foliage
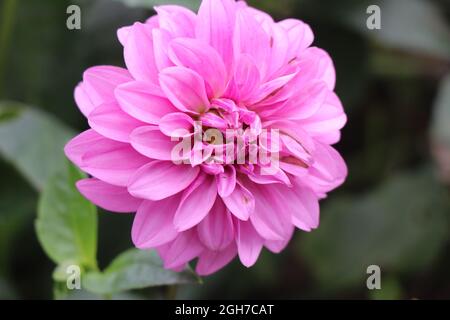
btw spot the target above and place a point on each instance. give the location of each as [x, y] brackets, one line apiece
[393, 211]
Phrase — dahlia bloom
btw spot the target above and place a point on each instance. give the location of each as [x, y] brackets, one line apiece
[228, 67]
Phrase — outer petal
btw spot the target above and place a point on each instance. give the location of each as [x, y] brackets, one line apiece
[161, 179]
[139, 54]
[110, 121]
[278, 246]
[306, 214]
[143, 101]
[98, 86]
[111, 161]
[161, 40]
[150, 142]
[203, 59]
[185, 89]
[211, 261]
[300, 37]
[82, 100]
[196, 202]
[330, 118]
[249, 243]
[316, 65]
[216, 230]
[250, 38]
[152, 225]
[215, 25]
[183, 249]
[269, 199]
[329, 169]
[177, 20]
[107, 196]
[303, 105]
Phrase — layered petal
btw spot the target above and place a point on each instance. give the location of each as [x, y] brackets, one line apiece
[216, 230]
[161, 179]
[185, 89]
[152, 225]
[204, 60]
[107, 196]
[215, 26]
[108, 160]
[249, 243]
[109, 120]
[139, 53]
[211, 261]
[196, 202]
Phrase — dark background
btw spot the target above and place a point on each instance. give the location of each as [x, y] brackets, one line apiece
[393, 211]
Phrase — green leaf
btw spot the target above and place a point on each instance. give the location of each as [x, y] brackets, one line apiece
[401, 227]
[67, 223]
[32, 141]
[192, 4]
[134, 269]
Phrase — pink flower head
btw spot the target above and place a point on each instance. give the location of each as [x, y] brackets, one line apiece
[229, 67]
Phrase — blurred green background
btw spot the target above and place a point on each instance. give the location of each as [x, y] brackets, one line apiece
[394, 210]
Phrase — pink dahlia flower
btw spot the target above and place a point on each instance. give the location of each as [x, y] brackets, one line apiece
[228, 67]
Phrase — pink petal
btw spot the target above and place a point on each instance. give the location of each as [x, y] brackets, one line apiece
[215, 26]
[316, 65]
[183, 249]
[278, 246]
[304, 104]
[143, 101]
[240, 202]
[279, 49]
[249, 243]
[250, 38]
[226, 181]
[246, 79]
[98, 86]
[150, 142]
[78, 146]
[328, 119]
[161, 40]
[306, 214]
[161, 179]
[264, 176]
[300, 37]
[108, 160]
[329, 165]
[82, 99]
[196, 202]
[269, 199]
[215, 231]
[110, 121]
[293, 147]
[107, 196]
[211, 261]
[177, 20]
[139, 54]
[177, 124]
[203, 59]
[185, 89]
[152, 225]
